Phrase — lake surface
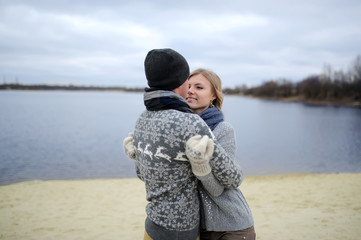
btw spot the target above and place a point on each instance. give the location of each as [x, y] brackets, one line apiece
[79, 135]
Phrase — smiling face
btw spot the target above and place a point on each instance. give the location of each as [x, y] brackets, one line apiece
[200, 93]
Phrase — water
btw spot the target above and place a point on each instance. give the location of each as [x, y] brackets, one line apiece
[77, 135]
[65, 135]
[278, 137]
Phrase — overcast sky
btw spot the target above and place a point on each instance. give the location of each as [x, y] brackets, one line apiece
[88, 42]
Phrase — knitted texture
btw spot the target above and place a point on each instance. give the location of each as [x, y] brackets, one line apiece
[164, 100]
[129, 148]
[171, 188]
[230, 210]
[165, 69]
[199, 151]
[212, 116]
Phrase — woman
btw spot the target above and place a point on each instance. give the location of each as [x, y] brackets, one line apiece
[227, 216]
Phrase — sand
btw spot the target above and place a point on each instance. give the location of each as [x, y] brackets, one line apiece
[304, 206]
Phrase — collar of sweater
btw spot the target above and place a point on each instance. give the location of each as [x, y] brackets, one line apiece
[163, 100]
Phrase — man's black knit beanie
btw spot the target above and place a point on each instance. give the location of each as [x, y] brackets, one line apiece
[165, 69]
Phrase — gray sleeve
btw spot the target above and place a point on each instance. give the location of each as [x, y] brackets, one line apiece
[211, 184]
[224, 164]
[224, 167]
[224, 134]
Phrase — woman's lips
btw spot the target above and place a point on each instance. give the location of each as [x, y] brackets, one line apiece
[190, 99]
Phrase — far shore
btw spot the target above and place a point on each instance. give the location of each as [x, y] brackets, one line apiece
[313, 102]
[286, 207]
[347, 102]
[70, 87]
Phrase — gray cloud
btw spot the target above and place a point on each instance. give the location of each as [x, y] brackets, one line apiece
[104, 43]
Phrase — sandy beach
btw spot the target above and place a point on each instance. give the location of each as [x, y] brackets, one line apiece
[301, 206]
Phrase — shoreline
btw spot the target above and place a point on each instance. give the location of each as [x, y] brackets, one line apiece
[311, 102]
[289, 206]
[297, 99]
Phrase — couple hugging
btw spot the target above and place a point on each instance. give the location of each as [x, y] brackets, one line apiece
[185, 153]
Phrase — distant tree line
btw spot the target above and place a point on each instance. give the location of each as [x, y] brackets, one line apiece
[330, 85]
[16, 86]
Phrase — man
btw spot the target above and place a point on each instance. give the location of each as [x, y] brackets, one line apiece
[170, 152]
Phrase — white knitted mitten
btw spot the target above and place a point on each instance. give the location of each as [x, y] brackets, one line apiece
[129, 148]
[199, 151]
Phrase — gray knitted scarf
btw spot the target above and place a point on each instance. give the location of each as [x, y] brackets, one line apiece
[164, 100]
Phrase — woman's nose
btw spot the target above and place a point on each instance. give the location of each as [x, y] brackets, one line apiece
[190, 90]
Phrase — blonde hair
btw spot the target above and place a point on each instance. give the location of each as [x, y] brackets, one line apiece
[216, 83]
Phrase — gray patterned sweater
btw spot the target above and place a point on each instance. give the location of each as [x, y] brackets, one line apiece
[229, 211]
[171, 188]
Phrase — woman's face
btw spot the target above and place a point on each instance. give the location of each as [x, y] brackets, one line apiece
[200, 94]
